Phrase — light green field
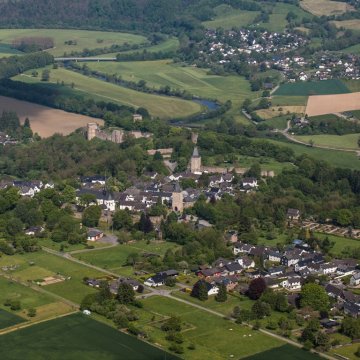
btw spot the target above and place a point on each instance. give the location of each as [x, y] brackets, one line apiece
[279, 122]
[346, 352]
[84, 38]
[171, 44]
[227, 18]
[348, 141]
[115, 258]
[194, 80]
[352, 85]
[288, 100]
[355, 49]
[336, 158]
[158, 106]
[72, 288]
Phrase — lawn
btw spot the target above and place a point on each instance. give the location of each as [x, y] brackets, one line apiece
[161, 106]
[196, 81]
[214, 337]
[115, 258]
[228, 17]
[347, 351]
[72, 288]
[349, 141]
[336, 158]
[303, 88]
[83, 38]
[76, 337]
[8, 319]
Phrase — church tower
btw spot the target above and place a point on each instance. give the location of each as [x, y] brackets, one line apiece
[177, 199]
[195, 162]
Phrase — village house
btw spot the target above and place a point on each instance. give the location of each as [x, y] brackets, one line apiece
[94, 235]
[293, 214]
[159, 279]
[355, 279]
[292, 283]
[241, 248]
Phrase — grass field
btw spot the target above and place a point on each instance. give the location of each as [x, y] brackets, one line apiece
[352, 85]
[6, 50]
[285, 352]
[8, 319]
[228, 17]
[161, 106]
[347, 351]
[336, 158]
[277, 111]
[194, 80]
[84, 38]
[279, 122]
[325, 7]
[44, 120]
[312, 88]
[115, 258]
[214, 337]
[76, 337]
[285, 100]
[44, 263]
[353, 24]
[349, 141]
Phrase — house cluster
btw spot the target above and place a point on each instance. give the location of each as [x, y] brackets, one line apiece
[27, 188]
[114, 284]
[222, 46]
[160, 278]
[5, 139]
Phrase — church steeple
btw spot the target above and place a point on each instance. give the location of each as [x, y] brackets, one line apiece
[195, 162]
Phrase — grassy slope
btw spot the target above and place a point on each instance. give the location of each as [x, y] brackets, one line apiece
[344, 141]
[76, 337]
[335, 158]
[84, 38]
[312, 88]
[161, 106]
[165, 72]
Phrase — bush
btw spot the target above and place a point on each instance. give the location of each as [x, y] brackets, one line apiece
[177, 349]
[191, 346]
[15, 305]
[31, 312]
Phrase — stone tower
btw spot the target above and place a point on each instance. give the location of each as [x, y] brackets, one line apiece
[177, 199]
[194, 137]
[91, 130]
[195, 162]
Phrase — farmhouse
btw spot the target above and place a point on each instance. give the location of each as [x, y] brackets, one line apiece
[293, 214]
[94, 235]
[355, 279]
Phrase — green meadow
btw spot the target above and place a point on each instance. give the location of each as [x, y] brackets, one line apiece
[83, 38]
[164, 107]
[8, 319]
[349, 141]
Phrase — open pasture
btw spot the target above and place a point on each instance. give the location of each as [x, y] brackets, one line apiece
[348, 141]
[197, 81]
[76, 337]
[81, 39]
[332, 104]
[305, 88]
[276, 111]
[325, 7]
[164, 107]
[44, 120]
[353, 24]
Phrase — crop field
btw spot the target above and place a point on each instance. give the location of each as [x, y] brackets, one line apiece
[305, 88]
[353, 24]
[44, 120]
[83, 38]
[349, 141]
[332, 104]
[285, 100]
[325, 7]
[76, 337]
[28, 268]
[336, 158]
[115, 258]
[194, 80]
[162, 106]
[352, 85]
[228, 17]
[8, 319]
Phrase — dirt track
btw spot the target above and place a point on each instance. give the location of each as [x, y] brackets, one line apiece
[44, 120]
[330, 104]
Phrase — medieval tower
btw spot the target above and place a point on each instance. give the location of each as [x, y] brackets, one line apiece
[177, 199]
[91, 130]
[195, 162]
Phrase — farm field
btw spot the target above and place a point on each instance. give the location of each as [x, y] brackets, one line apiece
[352, 85]
[161, 106]
[279, 122]
[44, 120]
[6, 50]
[325, 7]
[65, 338]
[336, 158]
[353, 24]
[83, 38]
[349, 141]
[44, 264]
[228, 17]
[231, 340]
[303, 88]
[8, 319]
[115, 258]
[284, 352]
[161, 73]
[276, 111]
[285, 100]
[332, 104]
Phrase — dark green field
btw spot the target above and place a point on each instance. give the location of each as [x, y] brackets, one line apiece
[76, 337]
[8, 319]
[285, 352]
[303, 88]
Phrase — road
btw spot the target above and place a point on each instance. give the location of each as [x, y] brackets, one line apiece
[167, 294]
[85, 59]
